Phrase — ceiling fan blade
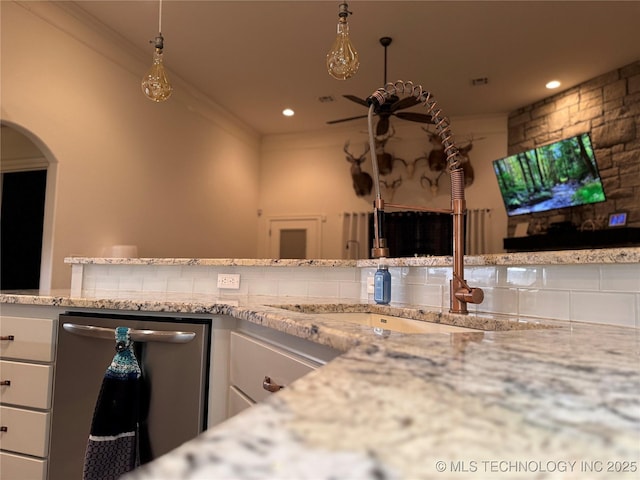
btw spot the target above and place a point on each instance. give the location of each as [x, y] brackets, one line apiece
[404, 103]
[383, 125]
[330, 122]
[353, 98]
[414, 117]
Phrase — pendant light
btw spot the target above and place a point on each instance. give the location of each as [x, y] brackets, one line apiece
[155, 84]
[342, 59]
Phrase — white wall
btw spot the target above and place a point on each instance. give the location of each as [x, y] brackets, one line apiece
[309, 174]
[184, 178]
[178, 179]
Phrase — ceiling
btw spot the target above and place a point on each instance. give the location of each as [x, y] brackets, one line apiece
[254, 58]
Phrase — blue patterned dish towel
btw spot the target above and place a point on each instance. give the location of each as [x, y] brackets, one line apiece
[112, 446]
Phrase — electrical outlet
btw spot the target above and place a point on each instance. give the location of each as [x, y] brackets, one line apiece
[229, 281]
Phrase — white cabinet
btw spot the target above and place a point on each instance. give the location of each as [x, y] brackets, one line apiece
[263, 361]
[27, 350]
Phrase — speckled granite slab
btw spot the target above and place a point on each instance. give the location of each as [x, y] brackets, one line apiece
[562, 257]
[537, 404]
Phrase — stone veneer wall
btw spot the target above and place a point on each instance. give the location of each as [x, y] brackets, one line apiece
[608, 106]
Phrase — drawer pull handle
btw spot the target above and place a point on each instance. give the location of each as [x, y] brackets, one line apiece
[3, 429]
[5, 382]
[270, 386]
[11, 338]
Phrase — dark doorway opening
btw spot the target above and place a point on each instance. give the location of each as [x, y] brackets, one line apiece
[21, 227]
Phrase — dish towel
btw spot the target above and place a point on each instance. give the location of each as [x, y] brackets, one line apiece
[112, 447]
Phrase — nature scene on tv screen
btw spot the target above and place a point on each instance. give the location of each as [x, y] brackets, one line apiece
[559, 175]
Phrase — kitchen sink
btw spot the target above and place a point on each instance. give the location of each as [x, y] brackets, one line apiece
[381, 323]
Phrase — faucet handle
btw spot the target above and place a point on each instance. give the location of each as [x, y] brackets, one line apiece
[470, 295]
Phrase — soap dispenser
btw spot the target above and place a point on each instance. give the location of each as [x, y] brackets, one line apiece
[382, 284]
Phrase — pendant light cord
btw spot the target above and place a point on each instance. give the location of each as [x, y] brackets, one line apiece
[160, 18]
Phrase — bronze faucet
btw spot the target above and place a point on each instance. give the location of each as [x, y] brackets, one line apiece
[460, 292]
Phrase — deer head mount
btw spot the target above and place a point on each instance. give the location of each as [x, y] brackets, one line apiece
[362, 181]
[437, 158]
[411, 166]
[385, 159]
[433, 182]
[390, 188]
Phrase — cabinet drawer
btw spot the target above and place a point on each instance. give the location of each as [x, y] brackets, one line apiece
[252, 361]
[33, 338]
[238, 402]
[17, 467]
[30, 384]
[27, 431]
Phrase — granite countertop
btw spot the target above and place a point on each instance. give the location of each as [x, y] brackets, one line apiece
[532, 400]
[562, 257]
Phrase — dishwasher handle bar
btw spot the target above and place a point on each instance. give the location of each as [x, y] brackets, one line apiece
[135, 335]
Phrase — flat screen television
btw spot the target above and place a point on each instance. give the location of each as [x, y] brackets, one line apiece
[558, 175]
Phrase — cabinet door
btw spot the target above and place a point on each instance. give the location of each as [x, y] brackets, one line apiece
[29, 384]
[32, 338]
[253, 360]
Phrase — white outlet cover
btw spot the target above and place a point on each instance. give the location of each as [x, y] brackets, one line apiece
[229, 281]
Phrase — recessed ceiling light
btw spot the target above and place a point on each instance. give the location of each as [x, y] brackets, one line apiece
[552, 84]
[287, 112]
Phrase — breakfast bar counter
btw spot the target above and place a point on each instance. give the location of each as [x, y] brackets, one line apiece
[527, 395]
[550, 400]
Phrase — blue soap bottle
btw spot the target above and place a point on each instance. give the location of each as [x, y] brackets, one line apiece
[382, 284]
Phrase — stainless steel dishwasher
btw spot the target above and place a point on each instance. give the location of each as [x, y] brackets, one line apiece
[173, 355]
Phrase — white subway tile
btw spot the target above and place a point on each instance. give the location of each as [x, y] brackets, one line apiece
[179, 285]
[439, 275]
[620, 278]
[76, 280]
[545, 303]
[262, 287]
[519, 276]
[428, 295]
[481, 276]
[349, 290]
[130, 284]
[571, 277]
[412, 275]
[609, 308]
[106, 283]
[205, 285]
[324, 289]
[292, 288]
[195, 271]
[154, 284]
[400, 294]
[500, 300]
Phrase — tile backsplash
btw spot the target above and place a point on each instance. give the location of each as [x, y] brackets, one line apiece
[596, 293]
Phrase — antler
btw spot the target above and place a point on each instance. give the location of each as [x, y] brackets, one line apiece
[390, 190]
[350, 157]
[433, 184]
[411, 166]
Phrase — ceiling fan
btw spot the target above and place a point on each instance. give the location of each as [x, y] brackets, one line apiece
[391, 106]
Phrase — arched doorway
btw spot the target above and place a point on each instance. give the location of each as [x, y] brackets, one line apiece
[26, 211]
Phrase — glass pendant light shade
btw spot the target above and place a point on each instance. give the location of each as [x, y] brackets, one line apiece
[155, 84]
[342, 59]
